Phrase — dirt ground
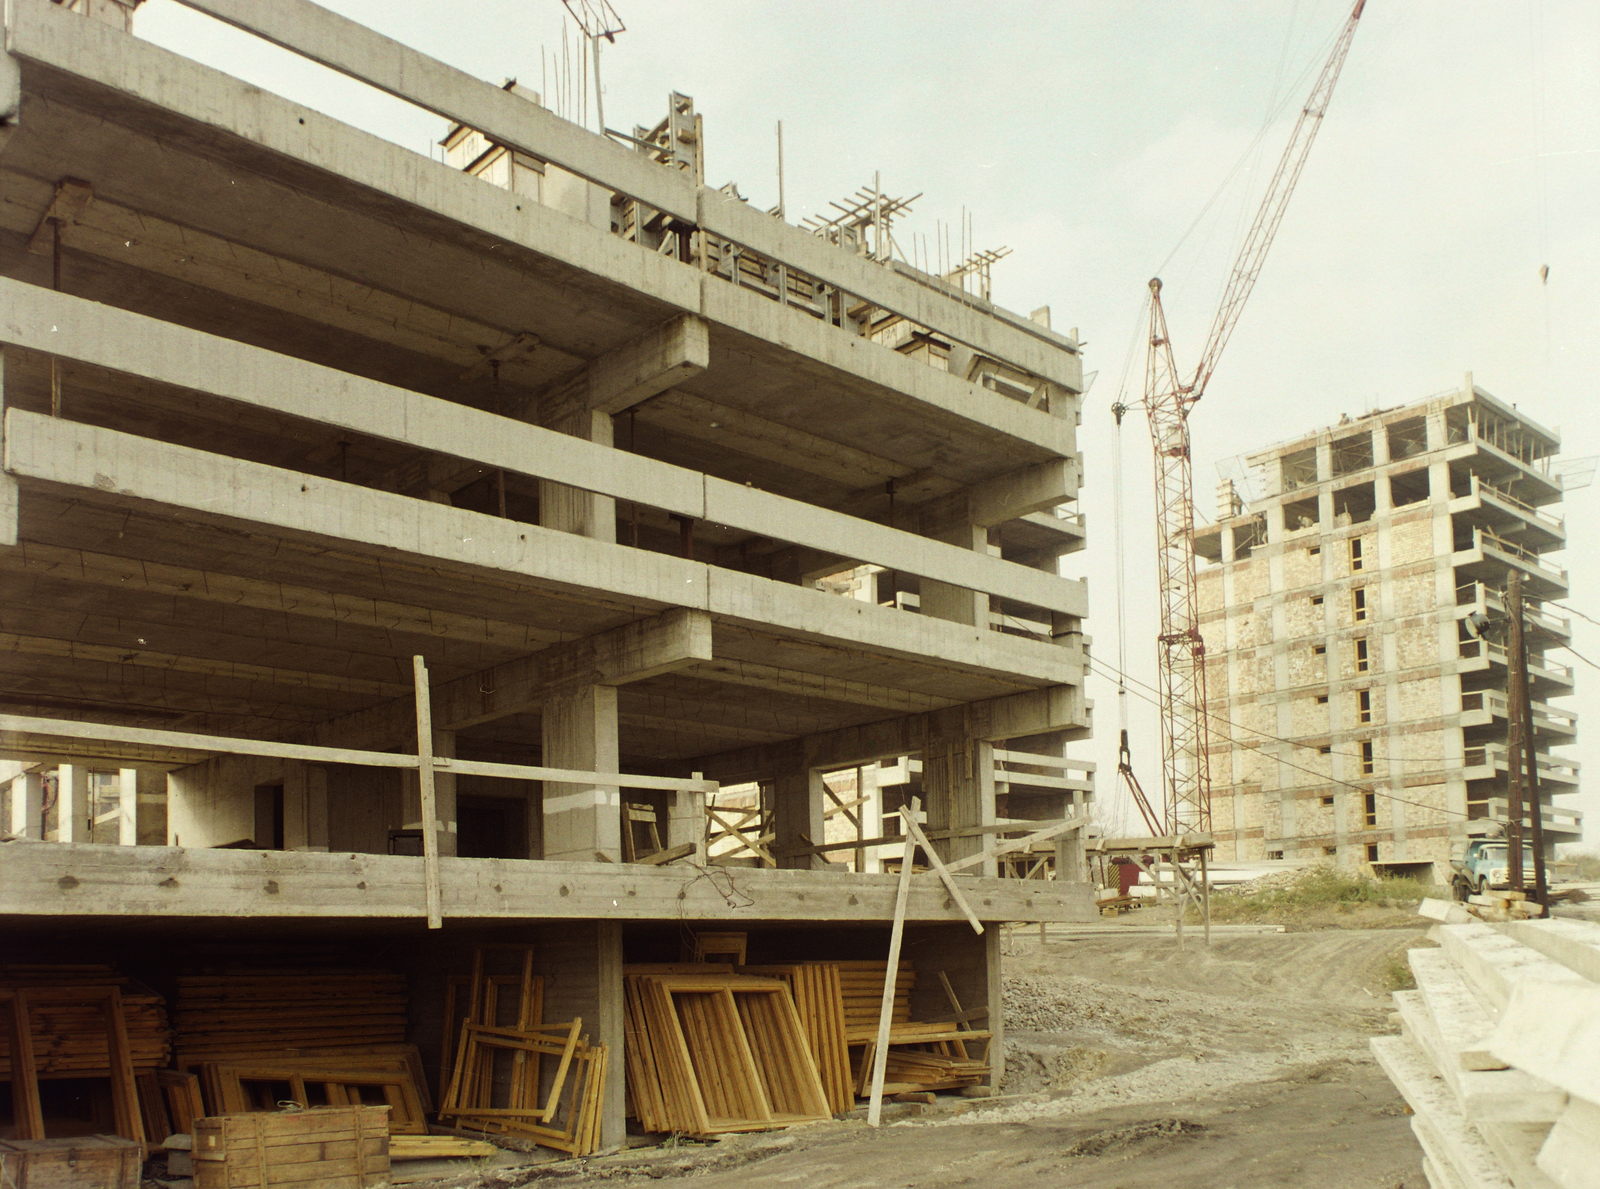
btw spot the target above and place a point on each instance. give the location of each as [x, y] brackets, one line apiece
[1130, 1063]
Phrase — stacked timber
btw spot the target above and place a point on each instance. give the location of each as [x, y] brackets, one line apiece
[819, 1001]
[1499, 1053]
[241, 1014]
[69, 1035]
[861, 985]
[710, 1052]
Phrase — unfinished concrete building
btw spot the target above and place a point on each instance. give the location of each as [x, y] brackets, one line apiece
[667, 494]
[1353, 712]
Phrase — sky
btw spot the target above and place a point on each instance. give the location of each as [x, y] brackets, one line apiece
[1108, 141]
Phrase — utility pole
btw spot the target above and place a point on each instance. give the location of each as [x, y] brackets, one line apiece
[1522, 751]
[1516, 684]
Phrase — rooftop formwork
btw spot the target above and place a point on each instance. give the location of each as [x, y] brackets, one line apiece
[288, 405]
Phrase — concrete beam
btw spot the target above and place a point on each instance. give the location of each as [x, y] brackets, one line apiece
[1011, 717]
[87, 331]
[1032, 489]
[656, 361]
[41, 32]
[121, 465]
[633, 652]
[146, 658]
[87, 881]
[37, 559]
[362, 53]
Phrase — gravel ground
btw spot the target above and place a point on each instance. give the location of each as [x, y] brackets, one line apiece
[1244, 1066]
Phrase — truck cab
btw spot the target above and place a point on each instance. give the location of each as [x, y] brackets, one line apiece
[1486, 864]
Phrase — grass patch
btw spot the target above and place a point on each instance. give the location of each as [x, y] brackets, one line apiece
[1321, 891]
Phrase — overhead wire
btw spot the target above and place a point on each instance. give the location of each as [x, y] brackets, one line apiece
[1377, 792]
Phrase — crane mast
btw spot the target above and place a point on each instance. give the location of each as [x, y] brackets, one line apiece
[1168, 400]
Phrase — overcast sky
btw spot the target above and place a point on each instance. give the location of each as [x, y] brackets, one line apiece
[1461, 153]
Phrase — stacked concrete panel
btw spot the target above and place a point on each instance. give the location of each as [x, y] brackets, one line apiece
[1499, 1054]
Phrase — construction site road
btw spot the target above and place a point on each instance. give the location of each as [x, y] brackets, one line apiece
[1130, 1062]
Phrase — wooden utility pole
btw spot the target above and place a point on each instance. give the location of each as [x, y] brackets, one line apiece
[1516, 688]
[1522, 750]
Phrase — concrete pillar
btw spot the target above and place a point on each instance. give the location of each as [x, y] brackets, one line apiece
[958, 790]
[870, 811]
[27, 805]
[305, 806]
[582, 822]
[72, 804]
[608, 1022]
[128, 807]
[570, 509]
[956, 603]
[797, 815]
[686, 822]
[8, 485]
[444, 796]
[317, 808]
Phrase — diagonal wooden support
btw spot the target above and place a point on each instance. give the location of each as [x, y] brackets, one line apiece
[914, 831]
[430, 814]
[1005, 848]
[891, 975]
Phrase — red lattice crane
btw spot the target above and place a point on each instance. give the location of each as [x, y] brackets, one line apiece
[1168, 400]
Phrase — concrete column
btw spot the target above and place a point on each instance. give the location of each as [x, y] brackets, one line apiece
[444, 797]
[956, 603]
[317, 808]
[608, 1023]
[305, 806]
[8, 485]
[128, 807]
[27, 805]
[797, 815]
[958, 790]
[72, 804]
[686, 822]
[444, 794]
[582, 822]
[294, 804]
[570, 509]
[871, 811]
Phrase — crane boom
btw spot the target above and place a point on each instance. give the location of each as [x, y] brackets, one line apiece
[1168, 401]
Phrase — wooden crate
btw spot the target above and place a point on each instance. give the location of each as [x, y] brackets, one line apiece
[85, 1162]
[336, 1147]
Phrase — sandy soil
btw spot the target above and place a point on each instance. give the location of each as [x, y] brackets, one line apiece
[1131, 1063]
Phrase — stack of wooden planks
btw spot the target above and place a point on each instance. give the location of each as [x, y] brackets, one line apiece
[710, 1052]
[861, 985]
[69, 1035]
[497, 1070]
[325, 1148]
[245, 1013]
[819, 1002]
[1499, 1052]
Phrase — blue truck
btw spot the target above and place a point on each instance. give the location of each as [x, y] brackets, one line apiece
[1485, 865]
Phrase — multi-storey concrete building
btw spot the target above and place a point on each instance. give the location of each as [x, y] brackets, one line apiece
[1353, 712]
[288, 405]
